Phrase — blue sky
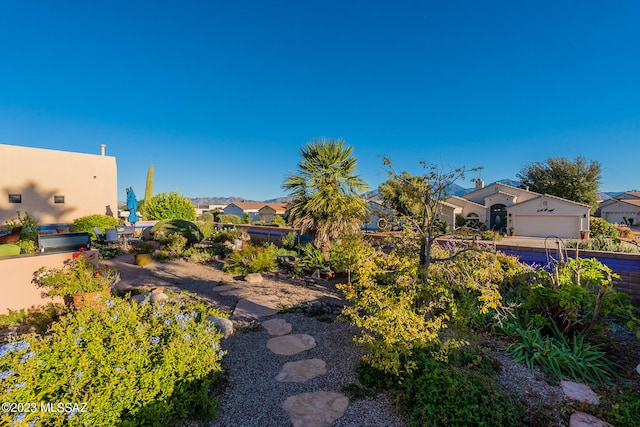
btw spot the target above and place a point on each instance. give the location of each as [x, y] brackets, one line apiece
[219, 96]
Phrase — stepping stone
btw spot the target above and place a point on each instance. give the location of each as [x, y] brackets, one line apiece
[238, 292]
[277, 326]
[580, 419]
[579, 392]
[253, 278]
[318, 409]
[253, 310]
[288, 345]
[303, 370]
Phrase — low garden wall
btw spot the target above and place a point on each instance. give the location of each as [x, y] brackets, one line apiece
[16, 289]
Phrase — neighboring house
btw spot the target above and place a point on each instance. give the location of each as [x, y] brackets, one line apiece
[240, 208]
[499, 206]
[269, 211]
[56, 187]
[626, 205]
[209, 208]
[380, 217]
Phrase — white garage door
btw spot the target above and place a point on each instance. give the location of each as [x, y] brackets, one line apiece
[543, 226]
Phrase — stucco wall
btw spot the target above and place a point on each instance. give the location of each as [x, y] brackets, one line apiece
[16, 290]
[88, 183]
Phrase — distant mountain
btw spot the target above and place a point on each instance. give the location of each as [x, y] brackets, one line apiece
[278, 200]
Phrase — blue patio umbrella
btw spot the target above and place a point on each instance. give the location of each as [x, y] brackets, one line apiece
[132, 205]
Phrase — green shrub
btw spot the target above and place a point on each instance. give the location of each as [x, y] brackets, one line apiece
[252, 259]
[132, 364]
[561, 356]
[490, 235]
[163, 229]
[229, 219]
[290, 241]
[29, 227]
[600, 228]
[228, 235]
[603, 244]
[278, 220]
[461, 221]
[206, 217]
[462, 392]
[169, 206]
[87, 223]
[207, 228]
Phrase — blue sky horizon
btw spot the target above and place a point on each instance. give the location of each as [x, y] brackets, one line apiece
[220, 96]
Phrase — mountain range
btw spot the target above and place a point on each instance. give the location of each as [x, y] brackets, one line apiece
[453, 189]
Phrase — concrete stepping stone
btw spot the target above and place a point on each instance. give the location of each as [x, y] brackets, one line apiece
[318, 409]
[250, 309]
[303, 370]
[288, 345]
[277, 327]
[580, 419]
[579, 392]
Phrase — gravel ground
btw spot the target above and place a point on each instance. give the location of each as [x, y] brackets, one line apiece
[252, 396]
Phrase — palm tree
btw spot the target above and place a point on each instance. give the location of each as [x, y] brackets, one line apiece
[326, 193]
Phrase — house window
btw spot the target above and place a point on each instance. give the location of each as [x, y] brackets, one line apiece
[15, 198]
[58, 199]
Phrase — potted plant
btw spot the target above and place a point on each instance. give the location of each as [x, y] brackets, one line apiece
[142, 252]
[81, 280]
[512, 231]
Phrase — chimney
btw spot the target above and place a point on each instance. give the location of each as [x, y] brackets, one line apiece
[102, 148]
[479, 183]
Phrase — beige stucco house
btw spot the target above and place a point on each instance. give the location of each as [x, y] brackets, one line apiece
[499, 206]
[270, 210]
[626, 205]
[56, 187]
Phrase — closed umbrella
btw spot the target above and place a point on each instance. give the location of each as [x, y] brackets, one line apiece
[132, 205]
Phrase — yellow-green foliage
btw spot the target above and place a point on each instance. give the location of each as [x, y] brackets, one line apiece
[398, 313]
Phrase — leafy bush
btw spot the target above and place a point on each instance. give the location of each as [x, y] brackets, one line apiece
[29, 232]
[228, 235]
[461, 221]
[600, 228]
[169, 206]
[87, 223]
[490, 235]
[229, 219]
[625, 231]
[252, 259]
[132, 364]
[462, 392]
[206, 217]
[163, 229]
[289, 240]
[207, 228]
[561, 356]
[603, 244]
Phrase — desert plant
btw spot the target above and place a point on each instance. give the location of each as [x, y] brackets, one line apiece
[603, 244]
[252, 259]
[87, 223]
[561, 356]
[142, 247]
[278, 220]
[206, 217]
[229, 219]
[289, 240]
[227, 235]
[151, 364]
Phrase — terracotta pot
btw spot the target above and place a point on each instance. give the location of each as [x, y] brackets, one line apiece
[94, 299]
[142, 259]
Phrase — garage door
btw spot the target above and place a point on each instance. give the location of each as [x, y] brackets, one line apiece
[543, 226]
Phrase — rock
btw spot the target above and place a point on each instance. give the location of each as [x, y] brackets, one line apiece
[156, 297]
[277, 326]
[580, 419]
[303, 370]
[140, 297]
[579, 392]
[318, 409]
[289, 345]
[253, 278]
[255, 308]
[223, 325]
